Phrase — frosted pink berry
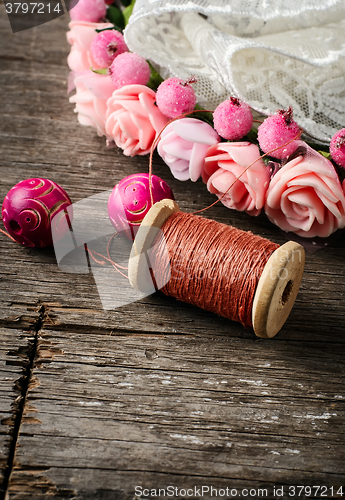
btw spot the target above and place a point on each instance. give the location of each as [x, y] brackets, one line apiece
[175, 97]
[129, 69]
[277, 130]
[337, 148]
[107, 45]
[92, 11]
[232, 119]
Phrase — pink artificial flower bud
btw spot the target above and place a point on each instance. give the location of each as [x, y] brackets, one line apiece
[278, 134]
[93, 11]
[176, 96]
[233, 119]
[133, 121]
[106, 46]
[183, 145]
[226, 173]
[80, 38]
[92, 93]
[305, 196]
[129, 69]
[337, 148]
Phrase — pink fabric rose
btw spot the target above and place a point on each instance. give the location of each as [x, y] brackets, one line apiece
[133, 120]
[225, 165]
[305, 196]
[93, 91]
[80, 37]
[183, 147]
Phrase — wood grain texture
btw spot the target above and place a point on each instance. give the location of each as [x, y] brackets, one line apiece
[157, 392]
[15, 349]
[180, 406]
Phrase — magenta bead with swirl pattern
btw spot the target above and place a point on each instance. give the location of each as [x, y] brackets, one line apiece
[130, 201]
[28, 209]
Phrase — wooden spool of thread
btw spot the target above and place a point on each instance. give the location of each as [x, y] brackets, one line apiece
[258, 285]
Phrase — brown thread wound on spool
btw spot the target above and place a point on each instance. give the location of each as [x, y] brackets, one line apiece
[213, 266]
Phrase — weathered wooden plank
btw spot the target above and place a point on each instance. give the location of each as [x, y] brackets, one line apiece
[314, 311]
[15, 349]
[156, 392]
[171, 407]
[32, 276]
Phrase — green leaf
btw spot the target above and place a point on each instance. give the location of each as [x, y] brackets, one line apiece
[127, 12]
[269, 159]
[112, 28]
[203, 115]
[102, 71]
[252, 136]
[325, 154]
[115, 16]
[155, 79]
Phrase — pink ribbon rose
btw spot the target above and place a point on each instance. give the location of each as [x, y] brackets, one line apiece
[80, 37]
[225, 166]
[305, 196]
[93, 92]
[183, 147]
[133, 121]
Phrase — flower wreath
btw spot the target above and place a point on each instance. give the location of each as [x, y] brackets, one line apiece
[300, 187]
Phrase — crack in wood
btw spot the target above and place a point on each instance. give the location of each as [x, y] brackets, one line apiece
[27, 356]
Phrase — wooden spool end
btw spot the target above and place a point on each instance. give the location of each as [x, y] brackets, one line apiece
[152, 222]
[277, 288]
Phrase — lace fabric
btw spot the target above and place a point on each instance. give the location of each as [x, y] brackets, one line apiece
[271, 53]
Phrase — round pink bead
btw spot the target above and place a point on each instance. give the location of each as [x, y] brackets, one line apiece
[175, 97]
[130, 201]
[28, 209]
[337, 148]
[232, 119]
[129, 69]
[107, 45]
[275, 131]
[92, 11]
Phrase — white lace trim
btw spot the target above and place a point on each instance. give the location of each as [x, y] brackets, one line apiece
[271, 53]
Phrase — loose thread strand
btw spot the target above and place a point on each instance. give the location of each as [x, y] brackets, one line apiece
[8, 235]
[245, 170]
[157, 139]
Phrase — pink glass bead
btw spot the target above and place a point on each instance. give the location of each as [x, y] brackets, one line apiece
[28, 209]
[175, 97]
[130, 201]
[337, 148]
[232, 119]
[92, 11]
[129, 69]
[107, 45]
